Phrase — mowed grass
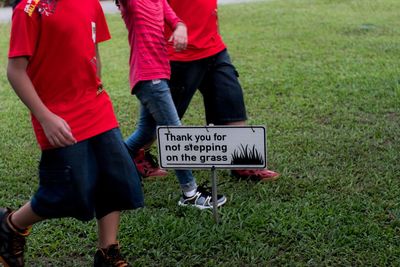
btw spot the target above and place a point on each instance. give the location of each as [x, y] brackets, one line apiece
[324, 77]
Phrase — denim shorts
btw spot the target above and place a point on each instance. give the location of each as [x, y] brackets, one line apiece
[217, 80]
[91, 178]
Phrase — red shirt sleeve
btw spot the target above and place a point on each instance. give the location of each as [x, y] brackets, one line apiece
[102, 31]
[24, 33]
[169, 15]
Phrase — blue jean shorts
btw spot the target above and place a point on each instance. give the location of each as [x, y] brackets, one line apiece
[91, 178]
[217, 80]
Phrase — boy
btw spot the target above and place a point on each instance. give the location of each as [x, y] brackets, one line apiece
[85, 169]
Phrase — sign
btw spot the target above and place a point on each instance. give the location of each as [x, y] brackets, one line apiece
[223, 147]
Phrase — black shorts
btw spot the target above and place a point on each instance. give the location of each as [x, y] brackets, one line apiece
[217, 80]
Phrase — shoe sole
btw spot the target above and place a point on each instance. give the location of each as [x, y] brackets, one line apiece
[201, 207]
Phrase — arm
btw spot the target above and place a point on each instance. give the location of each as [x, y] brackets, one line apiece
[169, 15]
[55, 128]
[179, 35]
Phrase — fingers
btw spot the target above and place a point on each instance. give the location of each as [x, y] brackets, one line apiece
[180, 43]
[59, 133]
[56, 142]
[67, 138]
[62, 138]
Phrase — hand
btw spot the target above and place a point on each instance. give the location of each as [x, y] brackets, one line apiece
[57, 131]
[179, 37]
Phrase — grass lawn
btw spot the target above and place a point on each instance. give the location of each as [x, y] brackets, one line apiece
[324, 77]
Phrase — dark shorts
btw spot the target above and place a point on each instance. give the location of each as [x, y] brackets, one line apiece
[91, 178]
[217, 80]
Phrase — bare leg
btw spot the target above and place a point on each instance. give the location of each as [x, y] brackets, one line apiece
[25, 217]
[108, 229]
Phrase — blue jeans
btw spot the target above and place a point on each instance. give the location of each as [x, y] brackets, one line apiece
[157, 108]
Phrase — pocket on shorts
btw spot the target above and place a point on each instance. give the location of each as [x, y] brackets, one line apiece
[50, 177]
[56, 192]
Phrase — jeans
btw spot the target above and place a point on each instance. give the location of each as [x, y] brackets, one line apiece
[156, 108]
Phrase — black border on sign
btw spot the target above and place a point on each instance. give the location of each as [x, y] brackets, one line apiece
[209, 166]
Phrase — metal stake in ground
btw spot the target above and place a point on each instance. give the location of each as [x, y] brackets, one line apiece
[214, 193]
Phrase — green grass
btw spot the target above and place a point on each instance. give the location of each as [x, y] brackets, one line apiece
[324, 77]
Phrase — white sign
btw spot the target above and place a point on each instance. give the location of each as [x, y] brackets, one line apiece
[223, 147]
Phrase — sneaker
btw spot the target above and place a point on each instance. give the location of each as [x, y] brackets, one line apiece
[202, 199]
[256, 175]
[12, 241]
[147, 165]
[110, 257]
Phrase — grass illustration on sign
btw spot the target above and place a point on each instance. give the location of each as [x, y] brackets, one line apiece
[244, 155]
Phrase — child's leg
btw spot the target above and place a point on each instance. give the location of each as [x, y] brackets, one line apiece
[118, 188]
[24, 217]
[157, 108]
[186, 77]
[108, 229]
[109, 253]
[145, 132]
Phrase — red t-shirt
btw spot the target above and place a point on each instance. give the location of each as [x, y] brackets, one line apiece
[144, 20]
[201, 19]
[59, 38]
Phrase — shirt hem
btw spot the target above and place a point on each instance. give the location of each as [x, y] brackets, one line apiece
[82, 138]
[196, 55]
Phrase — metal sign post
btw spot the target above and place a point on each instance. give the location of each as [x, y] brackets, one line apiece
[212, 147]
[214, 194]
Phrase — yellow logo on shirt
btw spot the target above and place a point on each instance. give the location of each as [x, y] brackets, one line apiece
[31, 6]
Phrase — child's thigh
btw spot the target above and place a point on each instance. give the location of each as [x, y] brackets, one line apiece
[155, 97]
